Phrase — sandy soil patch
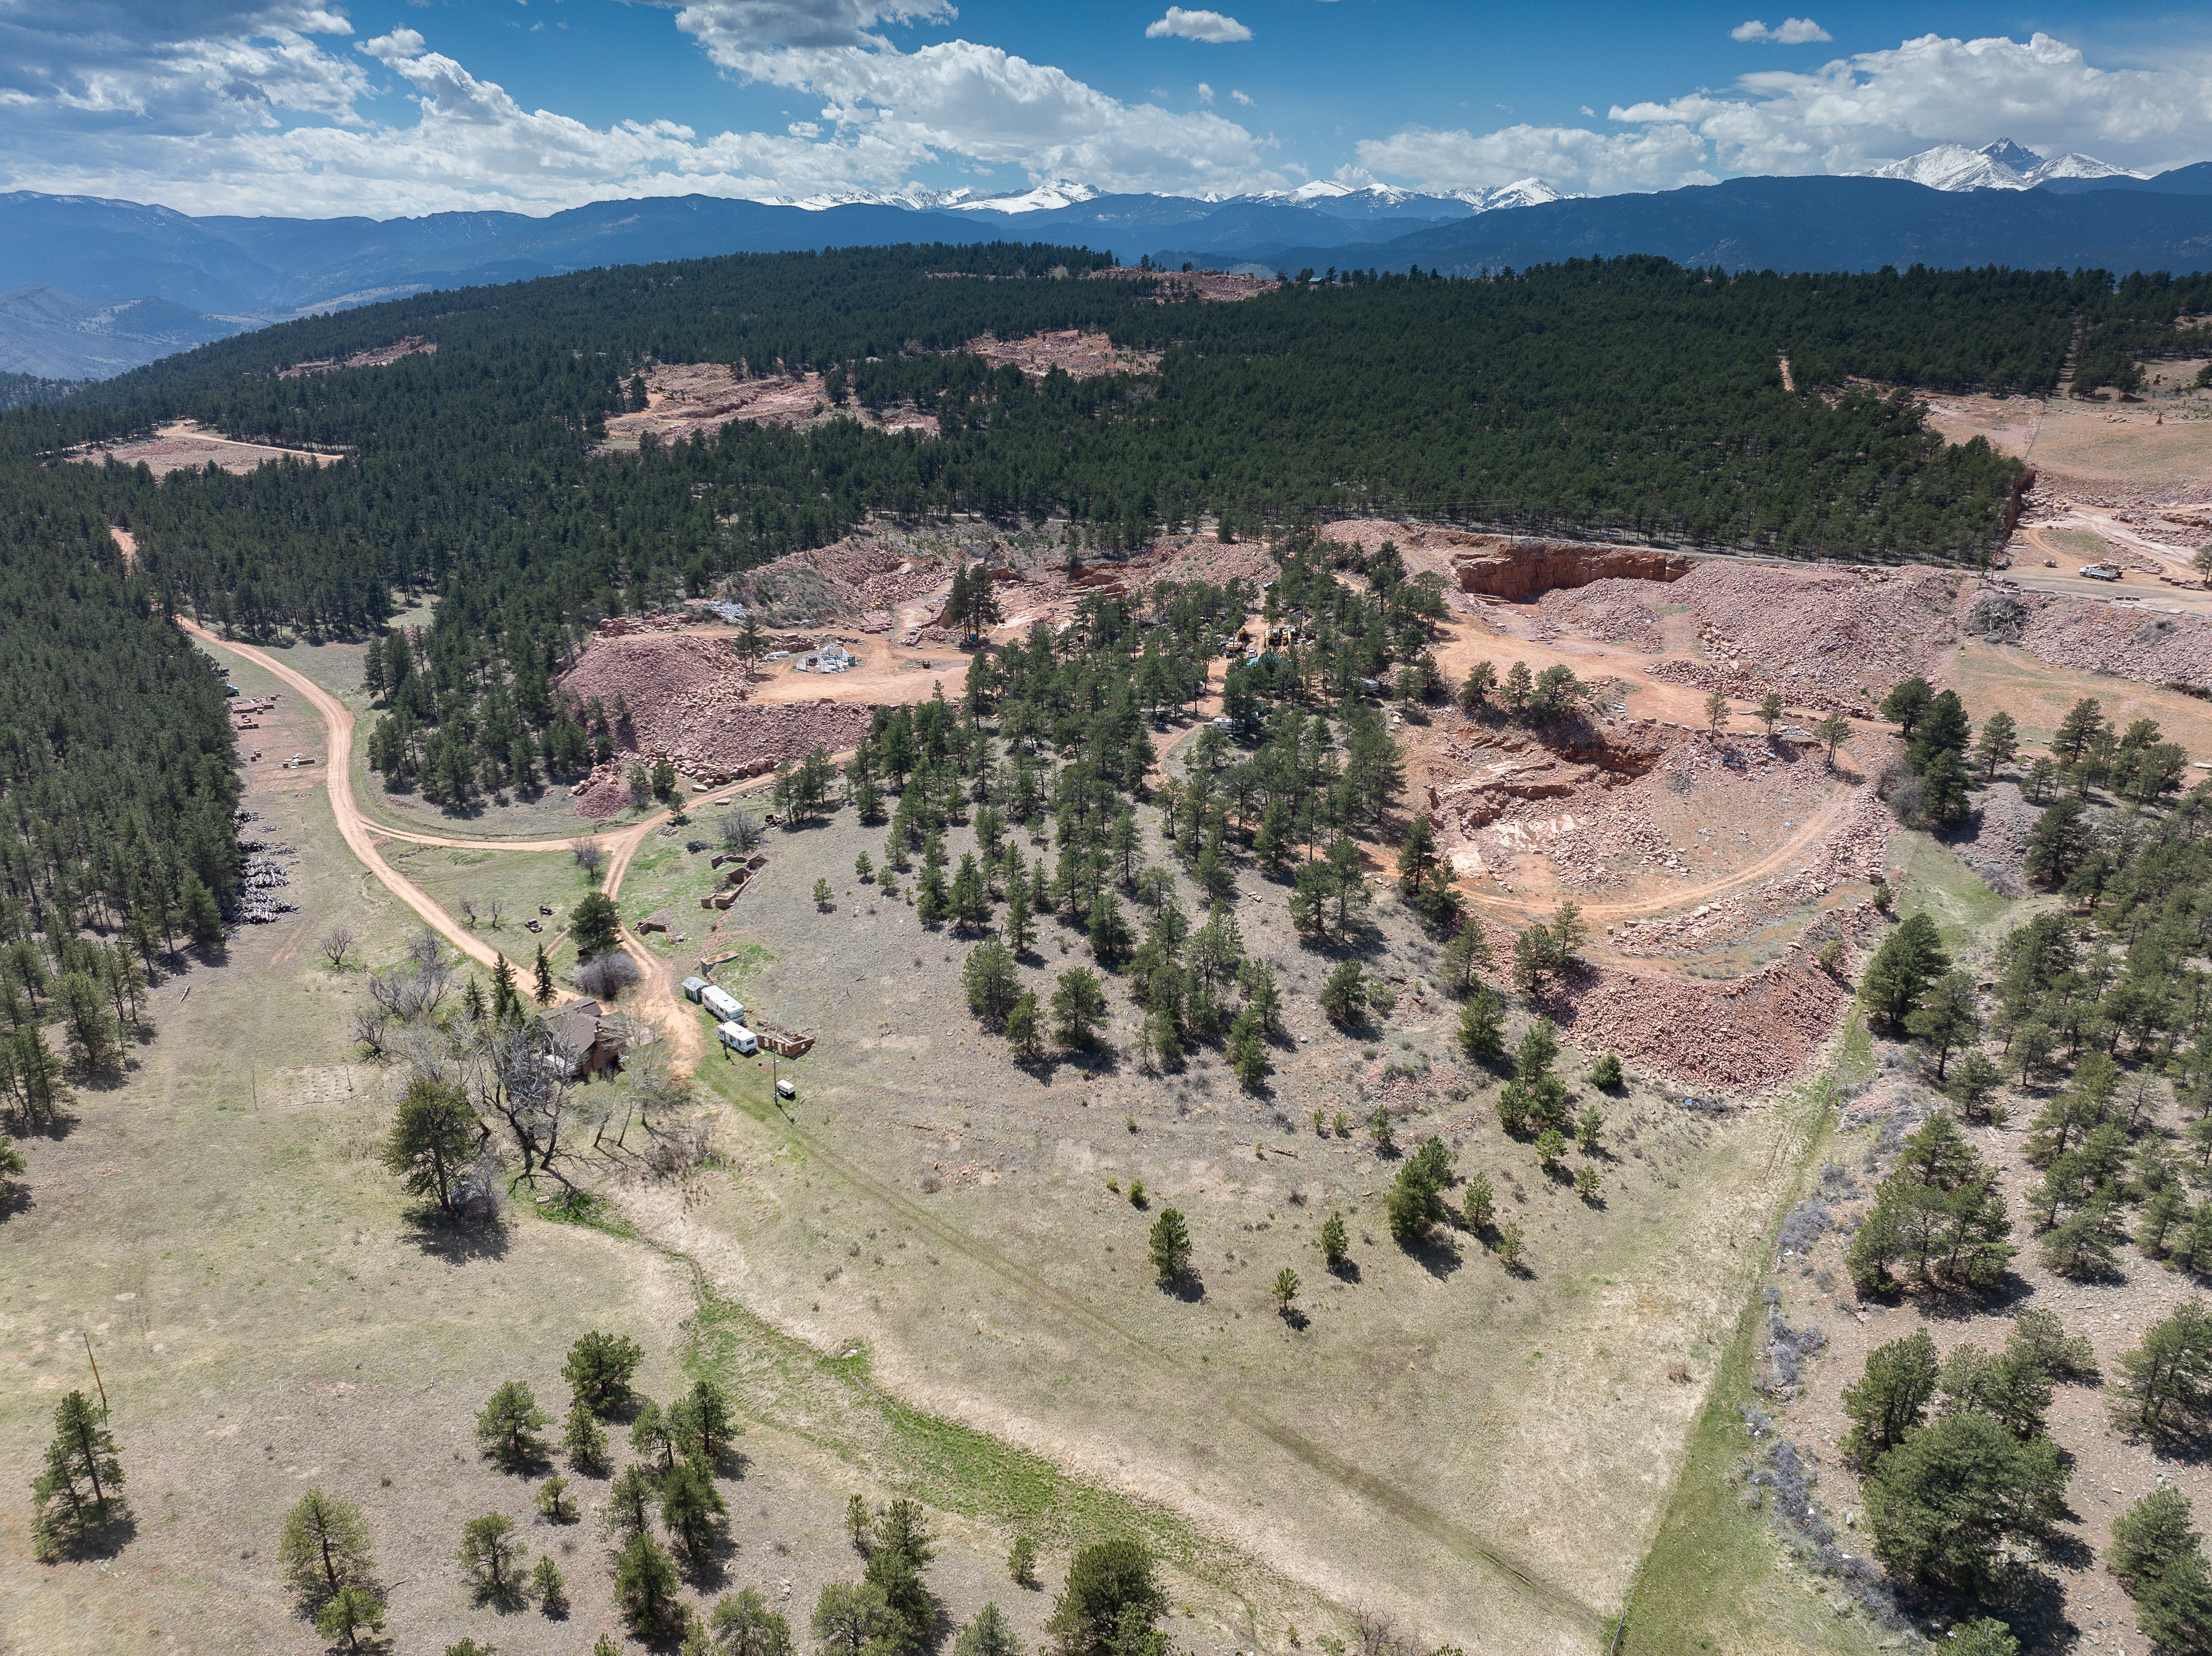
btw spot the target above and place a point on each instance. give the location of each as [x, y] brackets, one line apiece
[1080, 355]
[377, 357]
[2008, 424]
[2037, 694]
[1217, 286]
[186, 445]
[684, 399]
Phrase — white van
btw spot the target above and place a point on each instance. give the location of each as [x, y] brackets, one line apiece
[721, 1003]
[738, 1039]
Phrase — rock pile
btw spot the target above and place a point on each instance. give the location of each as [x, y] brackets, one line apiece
[261, 877]
[1994, 841]
[2123, 639]
[1756, 1032]
[717, 741]
[866, 571]
[649, 673]
[1823, 637]
[1612, 611]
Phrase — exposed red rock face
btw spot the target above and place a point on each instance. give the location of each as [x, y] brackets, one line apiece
[1526, 569]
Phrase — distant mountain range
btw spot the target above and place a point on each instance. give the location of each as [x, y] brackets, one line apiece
[100, 286]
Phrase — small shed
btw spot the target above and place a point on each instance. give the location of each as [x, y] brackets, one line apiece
[695, 987]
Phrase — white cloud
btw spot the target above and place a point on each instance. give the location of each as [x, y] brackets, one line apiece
[1854, 112]
[1204, 92]
[1662, 157]
[238, 108]
[986, 105]
[1793, 32]
[1240, 97]
[1848, 116]
[1212, 27]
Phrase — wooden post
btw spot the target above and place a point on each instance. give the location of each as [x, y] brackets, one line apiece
[96, 1379]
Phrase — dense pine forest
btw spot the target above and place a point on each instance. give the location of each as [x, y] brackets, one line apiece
[1626, 397]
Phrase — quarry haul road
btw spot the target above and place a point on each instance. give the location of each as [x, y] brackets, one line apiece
[361, 836]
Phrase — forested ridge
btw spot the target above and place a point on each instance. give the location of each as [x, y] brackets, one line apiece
[1628, 396]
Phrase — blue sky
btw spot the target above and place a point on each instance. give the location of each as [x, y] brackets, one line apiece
[389, 106]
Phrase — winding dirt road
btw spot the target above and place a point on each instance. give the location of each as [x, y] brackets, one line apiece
[657, 991]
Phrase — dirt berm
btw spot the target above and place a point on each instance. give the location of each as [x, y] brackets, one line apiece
[1522, 569]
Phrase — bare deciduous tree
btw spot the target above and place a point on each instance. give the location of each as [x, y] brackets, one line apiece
[589, 858]
[336, 944]
[603, 977]
[737, 829]
[371, 1025]
[509, 1079]
[1376, 1633]
[495, 906]
[468, 908]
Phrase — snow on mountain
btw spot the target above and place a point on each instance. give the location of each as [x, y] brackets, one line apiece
[2003, 165]
[1380, 194]
[1044, 198]
[1522, 193]
[2077, 166]
[1952, 166]
[2018, 156]
[918, 197]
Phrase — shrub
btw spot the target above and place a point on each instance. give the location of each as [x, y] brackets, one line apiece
[604, 977]
[1344, 994]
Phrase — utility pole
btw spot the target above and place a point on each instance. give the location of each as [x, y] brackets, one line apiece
[96, 1379]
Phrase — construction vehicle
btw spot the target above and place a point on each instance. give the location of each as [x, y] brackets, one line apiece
[2101, 571]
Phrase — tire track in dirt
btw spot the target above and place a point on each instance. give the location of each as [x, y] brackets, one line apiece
[1398, 1504]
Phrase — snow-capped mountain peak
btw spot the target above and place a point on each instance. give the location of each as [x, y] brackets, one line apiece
[2003, 165]
[1041, 198]
[1954, 166]
[1521, 193]
[2005, 152]
[2073, 166]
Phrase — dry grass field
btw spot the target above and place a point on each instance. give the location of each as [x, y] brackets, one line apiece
[267, 1315]
[1422, 1440]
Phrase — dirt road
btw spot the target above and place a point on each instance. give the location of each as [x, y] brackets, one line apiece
[658, 993]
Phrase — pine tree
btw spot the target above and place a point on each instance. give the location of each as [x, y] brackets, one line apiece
[73, 1496]
[543, 991]
[548, 1588]
[1170, 1245]
[491, 1555]
[1482, 1024]
[1479, 1206]
[324, 1547]
[507, 1427]
[703, 1423]
[646, 1587]
[348, 1613]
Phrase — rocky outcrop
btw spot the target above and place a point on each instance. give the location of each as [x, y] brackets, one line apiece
[1526, 569]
